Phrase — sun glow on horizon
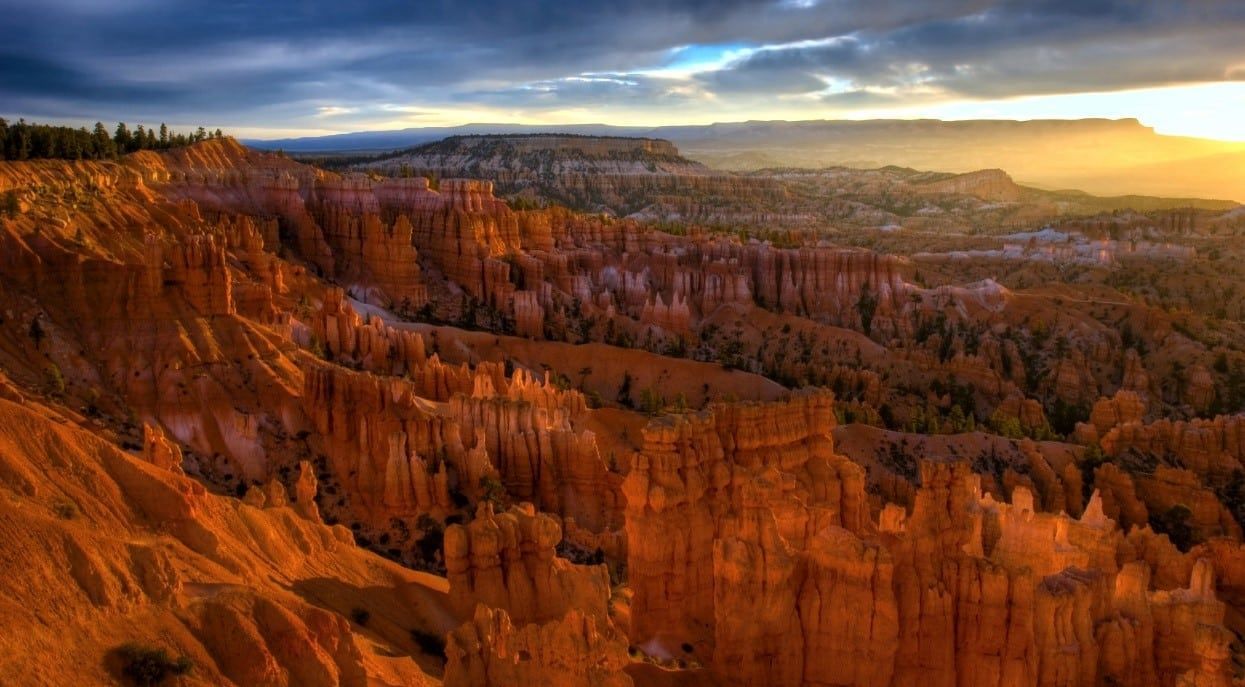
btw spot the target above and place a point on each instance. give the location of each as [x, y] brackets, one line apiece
[1208, 111]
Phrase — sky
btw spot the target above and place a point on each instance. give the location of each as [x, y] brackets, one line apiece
[277, 68]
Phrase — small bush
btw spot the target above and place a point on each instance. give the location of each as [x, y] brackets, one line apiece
[149, 666]
[492, 490]
[360, 616]
[65, 510]
[55, 380]
[429, 642]
[11, 207]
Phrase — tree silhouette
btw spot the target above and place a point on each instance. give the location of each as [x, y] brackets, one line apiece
[22, 140]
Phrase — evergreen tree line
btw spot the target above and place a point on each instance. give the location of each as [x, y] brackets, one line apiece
[26, 141]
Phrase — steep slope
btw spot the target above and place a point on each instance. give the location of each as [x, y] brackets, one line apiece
[103, 547]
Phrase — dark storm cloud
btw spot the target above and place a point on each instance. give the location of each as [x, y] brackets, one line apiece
[1022, 48]
[284, 61]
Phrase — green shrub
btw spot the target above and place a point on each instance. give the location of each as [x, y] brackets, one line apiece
[492, 490]
[360, 616]
[65, 510]
[148, 666]
[55, 380]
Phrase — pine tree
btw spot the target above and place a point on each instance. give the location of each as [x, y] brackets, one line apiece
[122, 138]
[21, 140]
[103, 145]
[21, 147]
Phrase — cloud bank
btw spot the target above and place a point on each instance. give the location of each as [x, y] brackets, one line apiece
[339, 66]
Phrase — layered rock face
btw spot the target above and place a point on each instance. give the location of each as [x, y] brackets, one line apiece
[986, 184]
[621, 175]
[163, 321]
[550, 273]
[464, 229]
[507, 561]
[801, 586]
[538, 619]
[694, 469]
[369, 249]
[1185, 460]
[391, 449]
[577, 650]
[141, 553]
[343, 225]
[403, 444]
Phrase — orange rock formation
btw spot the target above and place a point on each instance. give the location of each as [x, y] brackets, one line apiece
[212, 388]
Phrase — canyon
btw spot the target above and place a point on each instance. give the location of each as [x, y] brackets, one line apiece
[528, 411]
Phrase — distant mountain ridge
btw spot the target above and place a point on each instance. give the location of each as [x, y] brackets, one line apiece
[596, 173]
[649, 178]
[1100, 156]
[769, 132]
[568, 144]
[384, 141]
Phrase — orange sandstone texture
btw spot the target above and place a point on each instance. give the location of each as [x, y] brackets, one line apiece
[777, 583]
[114, 548]
[507, 561]
[235, 319]
[577, 650]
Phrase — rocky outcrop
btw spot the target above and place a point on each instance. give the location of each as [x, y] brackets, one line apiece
[405, 442]
[986, 184]
[804, 589]
[464, 230]
[374, 252]
[1211, 644]
[373, 345]
[1119, 496]
[390, 449]
[529, 429]
[1126, 407]
[238, 590]
[721, 505]
[196, 269]
[507, 561]
[1185, 457]
[1026, 411]
[529, 316]
[1175, 490]
[579, 650]
[1216, 445]
[621, 175]
[159, 451]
